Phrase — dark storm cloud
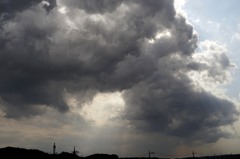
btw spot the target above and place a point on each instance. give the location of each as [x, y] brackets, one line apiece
[15, 5]
[171, 106]
[8, 8]
[94, 6]
[142, 48]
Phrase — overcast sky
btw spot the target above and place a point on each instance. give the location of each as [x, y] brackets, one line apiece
[120, 76]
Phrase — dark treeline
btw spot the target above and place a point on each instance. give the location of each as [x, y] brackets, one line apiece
[21, 153]
[229, 156]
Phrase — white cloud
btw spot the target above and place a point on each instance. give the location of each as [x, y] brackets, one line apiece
[236, 35]
[178, 4]
[215, 67]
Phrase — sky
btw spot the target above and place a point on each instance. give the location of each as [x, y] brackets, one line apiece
[120, 77]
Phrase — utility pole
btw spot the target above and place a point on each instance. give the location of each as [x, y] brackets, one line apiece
[149, 153]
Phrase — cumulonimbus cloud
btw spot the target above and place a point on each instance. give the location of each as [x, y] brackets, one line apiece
[143, 48]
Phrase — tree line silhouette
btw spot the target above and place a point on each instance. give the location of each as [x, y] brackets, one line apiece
[21, 153]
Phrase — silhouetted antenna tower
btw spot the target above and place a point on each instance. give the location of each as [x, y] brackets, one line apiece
[193, 154]
[150, 153]
[54, 148]
[74, 151]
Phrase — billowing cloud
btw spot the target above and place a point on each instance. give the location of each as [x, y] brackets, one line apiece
[141, 48]
[212, 63]
[8, 8]
[93, 6]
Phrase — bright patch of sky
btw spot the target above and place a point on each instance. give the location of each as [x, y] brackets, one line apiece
[218, 20]
[104, 108]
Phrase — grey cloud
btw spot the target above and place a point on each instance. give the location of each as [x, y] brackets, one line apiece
[49, 4]
[196, 66]
[213, 61]
[187, 40]
[93, 6]
[8, 8]
[25, 70]
[171, 106]
[46, 56]
[14, 5]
